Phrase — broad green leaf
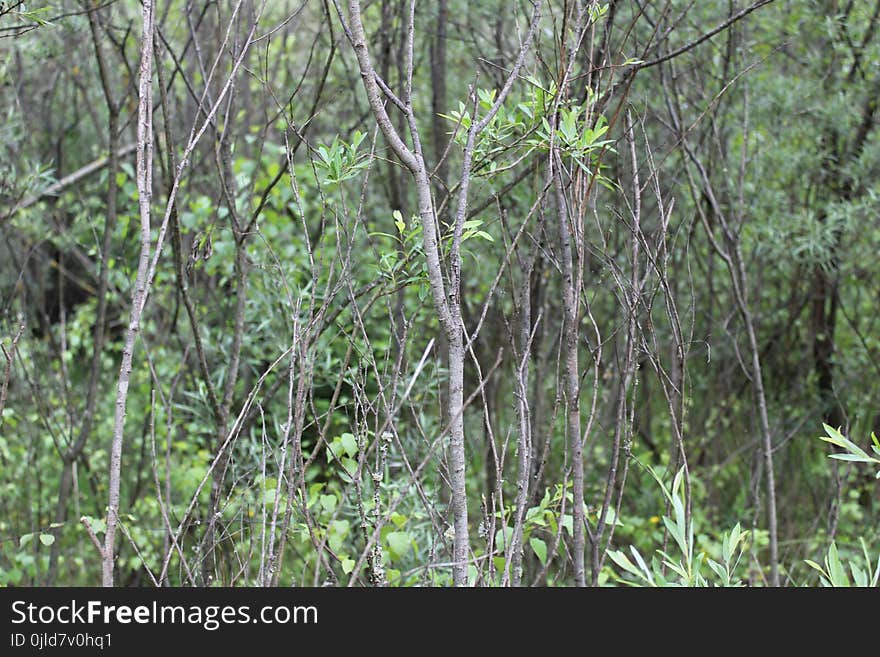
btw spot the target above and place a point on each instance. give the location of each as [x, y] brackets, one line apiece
[98, 525]
[398, 519]
[399, 543]
[540, 548]
[314, 489]
[568, 524]
[349, 444]
[349, 467]
[328, 502]
[337, 531]
[503, 537]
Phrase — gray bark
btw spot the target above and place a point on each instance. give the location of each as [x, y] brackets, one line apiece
[139, 294]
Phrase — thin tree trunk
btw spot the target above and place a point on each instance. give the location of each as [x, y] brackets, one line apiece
[766, 435]
[571, 382]
[139, 294]
[447, 298]
[524, 436]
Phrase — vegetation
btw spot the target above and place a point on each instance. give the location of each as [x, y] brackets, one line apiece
[388, 293]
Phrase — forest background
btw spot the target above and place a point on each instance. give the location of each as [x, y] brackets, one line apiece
[533, 293]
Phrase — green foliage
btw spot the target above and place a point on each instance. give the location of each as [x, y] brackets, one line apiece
[833, 572]
[685, 565]
[854, 453]
[289, 203]
[341, 161]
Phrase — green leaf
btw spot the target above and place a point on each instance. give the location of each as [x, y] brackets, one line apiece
[860, 578]
[349, 468]
[612, 519]
[677, 568]
[337, 531]
[676, 482]
[314, 489]
[660, 482]
[47, 539]
[24, 540]
[836, 438]
[568, 523]
[677, 533]
[349, 444]
[347, 565]
[618, 557]
[813, 564]
[639, 560]
[399, 543]
[855, 458]
[398, 220]
[718, 569]
[328, 502]
[503, 537]
[398, 519]
[99, 525]
[835, 568]
[540, 548]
